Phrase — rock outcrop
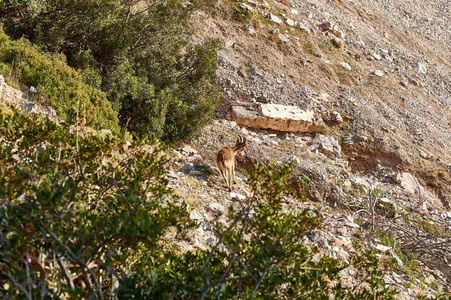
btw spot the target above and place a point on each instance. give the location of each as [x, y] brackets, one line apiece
[276, 117]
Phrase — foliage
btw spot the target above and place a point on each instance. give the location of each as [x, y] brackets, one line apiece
[89, 215]
[79, 210]
[57, 83]
[135, 51]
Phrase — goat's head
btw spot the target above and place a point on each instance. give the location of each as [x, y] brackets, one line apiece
[240, 146]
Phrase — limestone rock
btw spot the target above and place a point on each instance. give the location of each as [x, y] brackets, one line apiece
[283, 38]
[346, 66]
[188, 150]
[336, 117]
[275, 19]
[421, 68]
[249, 29]
[378, 73]
[276, 117]
[216, 208]
[407, 181]
[290, 22]
[235, 196]
[194, 215]
[339, 43]
[328, 145]
[382, 248]
[245, 6]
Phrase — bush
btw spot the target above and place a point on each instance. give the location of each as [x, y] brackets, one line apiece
[59, 85]
[86, 215]
[135, 51]
[79, 209]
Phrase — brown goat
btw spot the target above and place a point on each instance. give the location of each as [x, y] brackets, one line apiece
[226, 161]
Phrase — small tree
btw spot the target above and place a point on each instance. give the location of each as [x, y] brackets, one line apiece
[135, 51]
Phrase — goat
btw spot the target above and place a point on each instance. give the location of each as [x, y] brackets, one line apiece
[226, 160]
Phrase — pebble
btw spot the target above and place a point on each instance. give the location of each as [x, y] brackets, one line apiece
[379, 73]
[345, 65]
[249, 29]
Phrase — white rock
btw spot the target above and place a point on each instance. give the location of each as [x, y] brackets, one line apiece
[283, 38]
[33, 90]
[277, 117]
[290, 22]
[172, 175]
[216, 208]
[194, 215]
[382, 248]
[407, 181]
[352, 224]
[303, 26]
[379, 73]
[273, 143]
[419, 66]
[294, 11]
[188, 150]
[235, 196]
[264, 4]
[345, 65]
[385, 200]
[275, 19]
[249, 29]
[377, 56]
[328, 145]
[336, 117]
[245, 6]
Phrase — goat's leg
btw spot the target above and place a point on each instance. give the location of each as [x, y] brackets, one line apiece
[224, 175]
[233, 174]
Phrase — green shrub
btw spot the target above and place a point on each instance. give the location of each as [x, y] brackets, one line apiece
[75, 203]
[59, 85]
[135, 51]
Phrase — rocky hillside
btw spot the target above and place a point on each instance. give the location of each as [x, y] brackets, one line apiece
[377, 73]
[383, 66]
[374, 78]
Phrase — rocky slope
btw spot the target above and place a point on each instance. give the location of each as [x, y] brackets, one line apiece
[389, 76]
[377, 73]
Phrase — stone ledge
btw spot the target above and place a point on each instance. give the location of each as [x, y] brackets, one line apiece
[276, 117]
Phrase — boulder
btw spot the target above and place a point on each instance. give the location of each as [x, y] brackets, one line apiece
[407, 181]
[275, 19]
[328, 145]
[326, 26]
[249, 29]
[339, 43]
[421, 68]
[276, 117]
[245, 6]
